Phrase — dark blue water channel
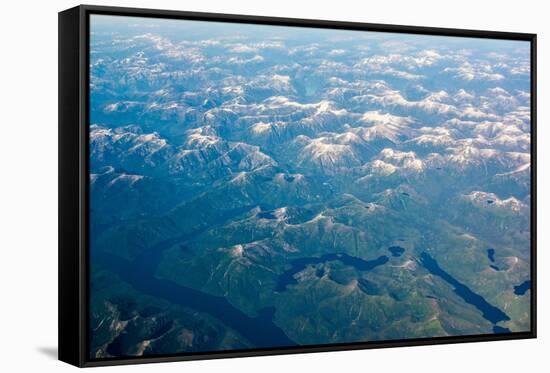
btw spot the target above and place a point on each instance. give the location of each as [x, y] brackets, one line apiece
[298, 265]
[490, 312]
[260, 330]
[499, 329]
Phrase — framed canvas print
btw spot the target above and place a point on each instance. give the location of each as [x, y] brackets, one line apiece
[238, 186]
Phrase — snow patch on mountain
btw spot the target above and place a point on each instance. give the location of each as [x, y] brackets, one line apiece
[491, 201]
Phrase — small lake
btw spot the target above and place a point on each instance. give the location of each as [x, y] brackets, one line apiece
[396, 250]
[491, 255]
[522, 288]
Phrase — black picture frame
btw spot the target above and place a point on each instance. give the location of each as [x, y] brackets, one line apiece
[74, 185]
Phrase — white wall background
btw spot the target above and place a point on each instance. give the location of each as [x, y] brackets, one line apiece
[28, 184]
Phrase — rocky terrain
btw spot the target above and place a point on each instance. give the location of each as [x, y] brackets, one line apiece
[326, 186]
